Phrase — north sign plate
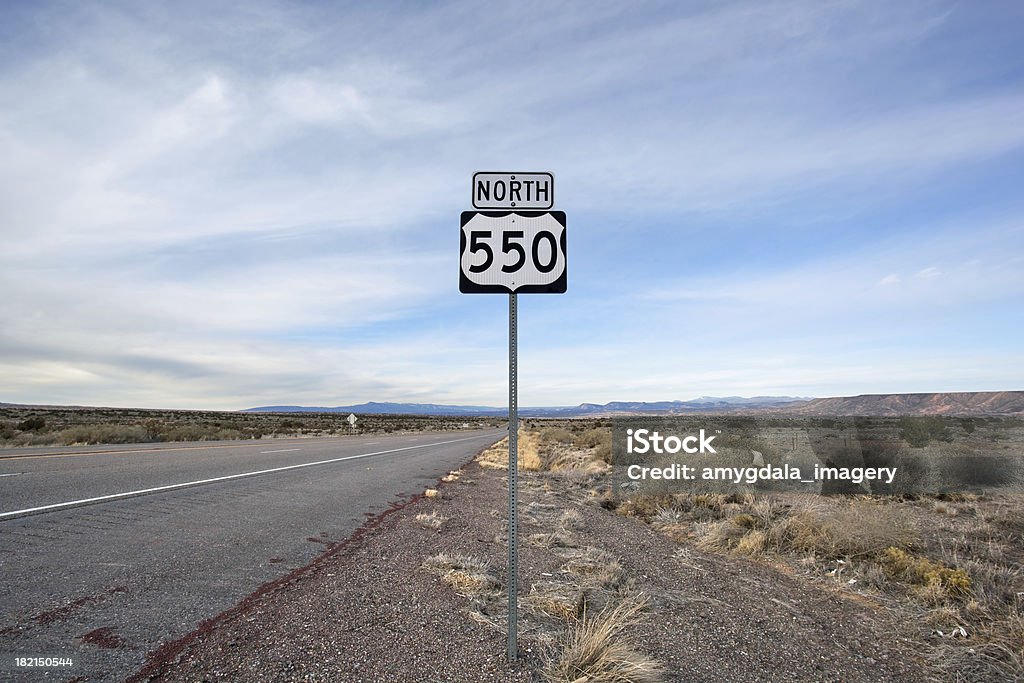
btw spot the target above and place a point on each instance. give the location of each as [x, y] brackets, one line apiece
[513, 190]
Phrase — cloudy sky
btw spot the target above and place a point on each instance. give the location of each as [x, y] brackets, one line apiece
[215, 206]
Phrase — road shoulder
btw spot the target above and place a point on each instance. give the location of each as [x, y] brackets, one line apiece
[370, 610]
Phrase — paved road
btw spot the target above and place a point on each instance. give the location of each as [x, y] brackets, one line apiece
[106, 582]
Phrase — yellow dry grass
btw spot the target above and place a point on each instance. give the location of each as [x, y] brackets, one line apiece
[855, 530]
[560, 600]
[471, 584]
[595, 567]
[596, 650]
[467, 575]
[937, 582]
[575, 460]
[529, 459]
[753, 543]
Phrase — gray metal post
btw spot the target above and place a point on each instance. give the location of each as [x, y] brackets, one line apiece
[513, 476]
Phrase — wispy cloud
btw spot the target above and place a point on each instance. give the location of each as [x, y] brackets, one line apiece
[220, 206]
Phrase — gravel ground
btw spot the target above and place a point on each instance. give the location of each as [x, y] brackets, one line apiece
[366, 611]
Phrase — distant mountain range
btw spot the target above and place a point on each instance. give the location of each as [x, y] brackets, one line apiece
[958, 404]
[981, 403]
[697, 405]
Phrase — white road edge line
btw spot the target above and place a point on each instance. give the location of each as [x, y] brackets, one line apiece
[12, 474]
[171, 487]
[283, 450]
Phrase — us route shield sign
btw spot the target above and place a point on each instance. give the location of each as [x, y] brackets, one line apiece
[512, 252]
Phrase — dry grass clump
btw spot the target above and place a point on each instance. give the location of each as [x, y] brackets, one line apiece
[596, 650]
[468, 576]
[667, 517]
[994, 586]
[553, 539]
[990, 661]
[723, 535]
[592, 438]
[495, 457]
[767, 511]
[544, 515]
[1010, 522]
[937, 582]
[556, 435]
[753, 543]
[570, 519]
[527, 454]
[646, 506]
[470, 584]
[576, 462]
[594, 566]
[703, 507]
[745, 534]
[998, 655]
[431, 493]
[672, 523]
[444, 562]
[744, 520]
[431, 520]
[603, 453]
[558, 599]
[843, 532]
[943, 616]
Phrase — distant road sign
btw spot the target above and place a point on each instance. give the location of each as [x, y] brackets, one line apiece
[513, 252]
[513, 190]
[352, 419]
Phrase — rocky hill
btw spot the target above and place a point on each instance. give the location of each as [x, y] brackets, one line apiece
[976, 403]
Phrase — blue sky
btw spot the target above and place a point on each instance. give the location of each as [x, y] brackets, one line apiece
[222, 207]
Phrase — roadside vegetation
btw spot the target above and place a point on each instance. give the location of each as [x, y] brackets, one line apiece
[72, 426]
[582, 613]
[597, 649]
[948, 567]
[953, 564]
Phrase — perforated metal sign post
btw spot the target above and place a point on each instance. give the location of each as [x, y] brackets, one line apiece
[510, 248]
[513, 475]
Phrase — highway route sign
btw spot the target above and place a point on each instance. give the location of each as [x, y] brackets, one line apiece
[511, 252]
[513, 243]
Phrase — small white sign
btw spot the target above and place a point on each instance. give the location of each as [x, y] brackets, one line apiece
[352, 419]
[513, 190]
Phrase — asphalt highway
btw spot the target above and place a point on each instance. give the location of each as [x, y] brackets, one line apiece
[108, 552]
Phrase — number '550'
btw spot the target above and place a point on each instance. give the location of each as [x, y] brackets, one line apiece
[511, 243]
